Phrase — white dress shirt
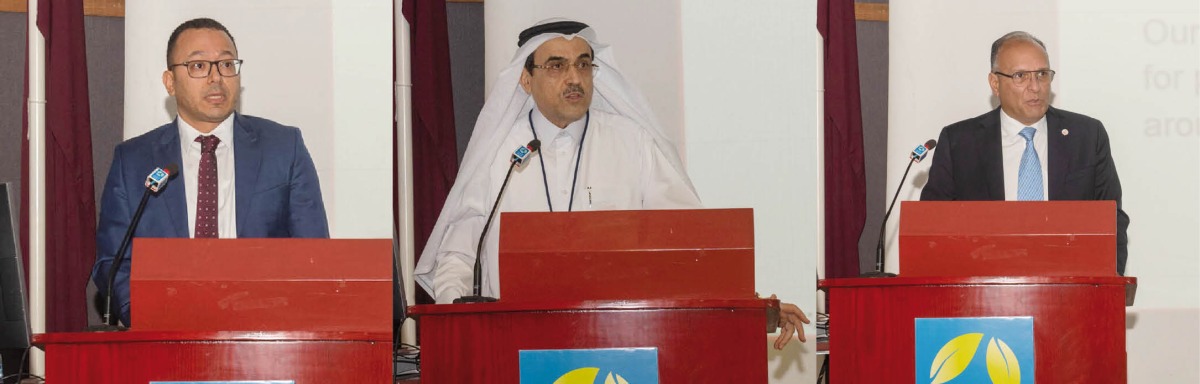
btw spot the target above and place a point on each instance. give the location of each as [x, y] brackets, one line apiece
[226, 202]
[560, 150]
[621, 168]
[1012, 145]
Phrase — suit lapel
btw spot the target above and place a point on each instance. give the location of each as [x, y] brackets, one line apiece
[246, 157]
[993, 164]
[1057, 157]
[174, 196]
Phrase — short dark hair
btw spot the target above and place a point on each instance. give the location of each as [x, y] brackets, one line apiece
[198, 23]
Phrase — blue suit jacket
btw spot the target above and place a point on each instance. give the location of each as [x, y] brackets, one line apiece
[278, 194]
[968, 165]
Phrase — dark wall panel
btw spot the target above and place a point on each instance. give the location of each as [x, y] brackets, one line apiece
[106, 91]
[106, 99]
[465, 24]
[12, 98]
[106, 84]
[873, 84]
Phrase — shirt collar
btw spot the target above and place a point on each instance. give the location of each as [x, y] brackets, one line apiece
[224, 131]
[547, 131]
[1010, 127]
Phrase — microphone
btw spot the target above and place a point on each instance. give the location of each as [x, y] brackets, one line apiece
[919, 153]
[155, 183]
[518, 158]
[916, 156]
[158, 179]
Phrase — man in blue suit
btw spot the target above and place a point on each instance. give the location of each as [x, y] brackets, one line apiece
[241, 176]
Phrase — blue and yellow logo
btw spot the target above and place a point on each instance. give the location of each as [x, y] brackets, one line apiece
[997, 350]
[590, 366]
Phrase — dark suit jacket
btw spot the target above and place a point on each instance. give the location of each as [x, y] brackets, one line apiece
[277, 193]
[968, 164]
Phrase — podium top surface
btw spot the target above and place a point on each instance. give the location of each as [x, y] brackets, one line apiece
[978, 280]
[134, 336]
[592, 305]
[683, 229]
[261, 259]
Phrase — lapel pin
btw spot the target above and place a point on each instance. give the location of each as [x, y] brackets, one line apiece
[1065, 132]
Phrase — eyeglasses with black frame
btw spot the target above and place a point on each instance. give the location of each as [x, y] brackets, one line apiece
[199, 69]
[558, 68]
[1043, 76]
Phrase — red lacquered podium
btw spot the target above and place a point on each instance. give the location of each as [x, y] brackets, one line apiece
[1008, 238]
[308, 310]
[1052, 261]
[681, 281]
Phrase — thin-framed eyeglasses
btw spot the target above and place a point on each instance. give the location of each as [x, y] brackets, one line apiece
[1044, 76]
[559, 68]
[200, 69]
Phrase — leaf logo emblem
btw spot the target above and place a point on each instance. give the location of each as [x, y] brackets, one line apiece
[1002, 364]
[586, 375]
[954, 357]
[610, 380]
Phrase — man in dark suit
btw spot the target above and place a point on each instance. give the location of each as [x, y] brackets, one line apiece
[240, 176]
[995, 156]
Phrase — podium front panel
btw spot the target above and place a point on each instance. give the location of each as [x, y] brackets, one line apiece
[714, 341]
[337, 285]
[138, 357]
[1008, 238]
[1078, 324]
[627, 255]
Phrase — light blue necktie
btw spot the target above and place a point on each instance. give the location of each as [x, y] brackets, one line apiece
[1029, 177]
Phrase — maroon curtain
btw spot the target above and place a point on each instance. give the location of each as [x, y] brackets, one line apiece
[845, 180]
[435, 151]
[70, 194]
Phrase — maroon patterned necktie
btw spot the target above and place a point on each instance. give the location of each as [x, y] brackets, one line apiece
[206, 196]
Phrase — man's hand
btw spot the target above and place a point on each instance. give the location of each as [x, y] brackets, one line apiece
[790, 319]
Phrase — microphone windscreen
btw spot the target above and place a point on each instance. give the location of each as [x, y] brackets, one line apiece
[930, 144]
[172, 170]
[534, 145]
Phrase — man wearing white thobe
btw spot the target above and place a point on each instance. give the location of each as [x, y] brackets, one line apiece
[601, 149]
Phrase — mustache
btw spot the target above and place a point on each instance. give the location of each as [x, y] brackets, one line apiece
[573, 88]
[216, 89]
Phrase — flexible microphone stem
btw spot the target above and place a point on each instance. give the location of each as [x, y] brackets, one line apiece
[119, 257]
[518, 157]
[915, 157]
[883, 228]
[477, 284]
[155, 182]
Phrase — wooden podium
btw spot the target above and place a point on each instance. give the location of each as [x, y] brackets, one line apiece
[1053, 262]
[305, 310]
[679, 281]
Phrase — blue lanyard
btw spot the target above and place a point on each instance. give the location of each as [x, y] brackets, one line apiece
[579, 156]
